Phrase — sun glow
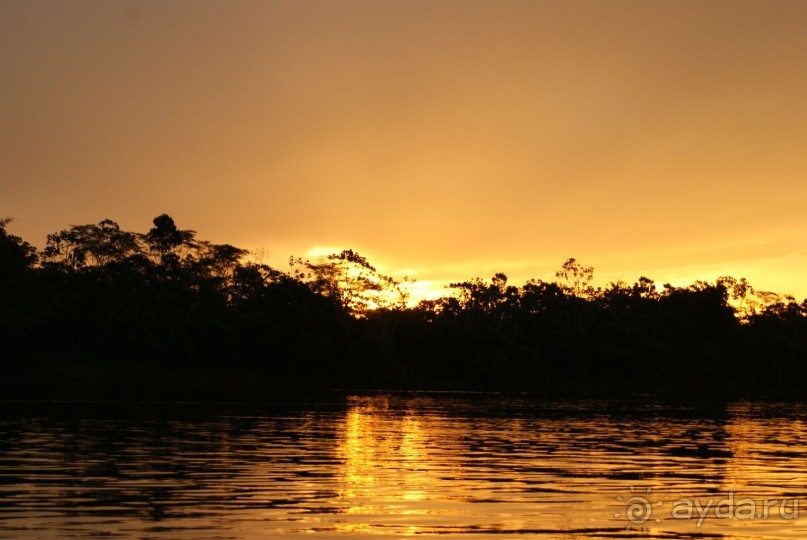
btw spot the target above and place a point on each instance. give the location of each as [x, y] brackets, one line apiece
[321, 251]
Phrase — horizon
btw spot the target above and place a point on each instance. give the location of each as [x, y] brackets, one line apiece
[434, 289]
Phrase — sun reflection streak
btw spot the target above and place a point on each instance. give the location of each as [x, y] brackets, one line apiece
[384, 460]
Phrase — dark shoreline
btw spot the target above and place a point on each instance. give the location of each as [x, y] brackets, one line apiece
[106, 312]
[229, 393]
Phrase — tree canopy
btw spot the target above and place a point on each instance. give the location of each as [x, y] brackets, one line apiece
[165, 305]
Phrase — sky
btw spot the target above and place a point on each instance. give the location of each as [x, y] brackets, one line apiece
[446, 139]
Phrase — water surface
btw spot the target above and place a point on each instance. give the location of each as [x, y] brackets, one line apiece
[430, 466]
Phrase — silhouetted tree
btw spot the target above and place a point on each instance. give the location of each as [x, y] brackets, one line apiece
[168, 244]
[16, 255]
[83, 246]
[18, 303]
[350, 279]
[576, 278]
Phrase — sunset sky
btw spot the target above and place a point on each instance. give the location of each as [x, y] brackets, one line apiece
[448, 139]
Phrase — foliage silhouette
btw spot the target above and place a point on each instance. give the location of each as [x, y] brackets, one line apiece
[102, 305]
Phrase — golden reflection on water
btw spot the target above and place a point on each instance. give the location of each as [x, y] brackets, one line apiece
[563, 474]
[411, 469]
[384, 461]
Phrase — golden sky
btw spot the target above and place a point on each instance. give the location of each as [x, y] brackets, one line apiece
[452, 138]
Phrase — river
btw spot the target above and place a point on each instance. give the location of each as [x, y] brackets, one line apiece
[445, 466]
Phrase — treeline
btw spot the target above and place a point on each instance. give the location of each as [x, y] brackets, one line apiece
[101, 305]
